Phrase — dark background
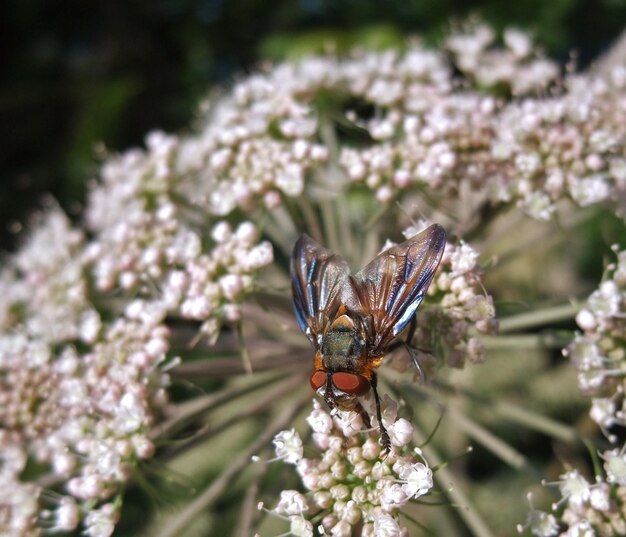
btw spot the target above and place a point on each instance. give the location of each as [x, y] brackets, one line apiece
[76, 73]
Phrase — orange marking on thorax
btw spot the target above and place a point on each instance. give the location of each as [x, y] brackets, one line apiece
[343, 321]
[317, 364]
[368, 365]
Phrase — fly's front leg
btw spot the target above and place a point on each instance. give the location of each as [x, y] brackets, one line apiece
[384, 435]
[364, 415]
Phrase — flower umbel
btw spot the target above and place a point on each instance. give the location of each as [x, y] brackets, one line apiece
[160, 325]
[348, 483]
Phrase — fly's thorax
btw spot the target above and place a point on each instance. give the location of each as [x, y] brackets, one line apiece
[343, 346]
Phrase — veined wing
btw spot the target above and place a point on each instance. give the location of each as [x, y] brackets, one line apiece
[391, 287]
[321, 283]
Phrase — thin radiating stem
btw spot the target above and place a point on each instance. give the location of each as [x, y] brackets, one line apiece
[214, 368]
[189, 412]
[539, 317]
[446, 482]
[179, 522]
[525, 341]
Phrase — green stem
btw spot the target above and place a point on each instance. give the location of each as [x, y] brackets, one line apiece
[542, 239]
[536, 422]
[280, 228]
[266, 400]
[215, 368]
[491, 442]
[189, 412]
[249, 509]
[183, 519]
[243, 350]
[516, 414]
[310, 218]
[525, 341]
[542, 317]
[483, 216]
[327, 179]
[444, 479]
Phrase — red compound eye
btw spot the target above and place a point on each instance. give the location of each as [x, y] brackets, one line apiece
[317, 380]
[351, 383]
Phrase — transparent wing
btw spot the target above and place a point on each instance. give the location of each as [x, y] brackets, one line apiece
[321, 283]
[391, 287]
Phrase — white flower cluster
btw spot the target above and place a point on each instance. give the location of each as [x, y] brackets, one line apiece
[43, 289]
[78, 394]
[349, 483]
[261, 141]
[586, 509]
[570, 145]
[456, 304]
[599, 352]
[151, 238]
[518, 67]
[533, 151]
[599, 355]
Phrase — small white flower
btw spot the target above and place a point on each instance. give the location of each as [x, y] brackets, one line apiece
[101, 522]
[600, 497]
[341, 529]
[575, 488]
[291, 503]
[586, 320]
[300, 527]
[581, 528]
[221, 232]
[231, 285]
[400, 432]
[350, 422]
[541, 524]
[259, 256]
[288, 446]
[615, 466]
[386, 526]
[417, 479]
[603, 412]
[319, 420]
[518, 42]
[392, 494]
[463, 259]
[590, 190]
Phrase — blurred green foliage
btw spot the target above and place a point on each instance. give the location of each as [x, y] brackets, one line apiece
[75, 73]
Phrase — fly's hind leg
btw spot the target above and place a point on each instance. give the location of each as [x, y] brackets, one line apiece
[413, 351]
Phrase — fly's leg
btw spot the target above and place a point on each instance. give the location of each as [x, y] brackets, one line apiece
[413, 354]
[414, 350]
[411, 331]
[384, 435]
[364, 415]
